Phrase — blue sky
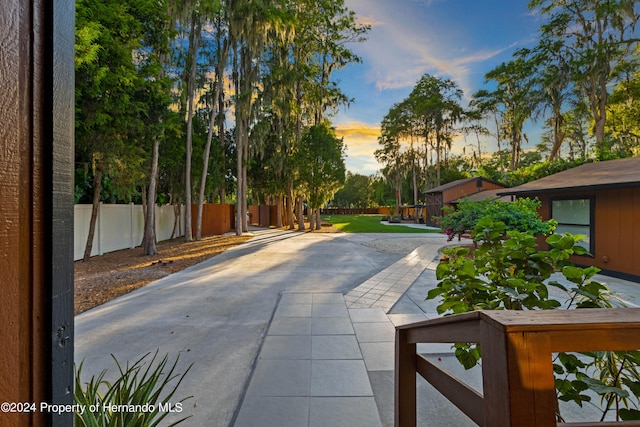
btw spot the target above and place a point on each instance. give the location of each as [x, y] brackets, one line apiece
[457, 39]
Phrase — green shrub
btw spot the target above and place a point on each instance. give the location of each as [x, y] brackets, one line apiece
[521, 214]
[507, 271]
[147, 389]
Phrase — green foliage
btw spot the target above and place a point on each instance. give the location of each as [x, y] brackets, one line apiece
[121, 96]
[623, 123]
[137, 385]
[356, 193]
[492, 169]
[507, 271]
[321, 162]
[540, 170]
[521, 215]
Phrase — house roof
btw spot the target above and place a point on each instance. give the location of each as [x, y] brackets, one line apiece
[590, 176]
[458, 182]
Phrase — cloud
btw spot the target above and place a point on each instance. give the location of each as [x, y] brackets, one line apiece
[407, 43]
[358, 129]
[361, 140]
[369, 20]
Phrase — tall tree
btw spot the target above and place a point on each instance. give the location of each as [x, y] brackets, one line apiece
[596, 38]
[513, 94]
[251, 25]
[220, 62]
[324, 31]
[190, 75]
[552, 90]
[437, 102]
[111, 35]
[155, 90]
[390, 156]
[321, 157]
[623, 122]
[486, 104]
[356, 193]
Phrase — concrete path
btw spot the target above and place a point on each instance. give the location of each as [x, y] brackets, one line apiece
[289, 329]
[215, 315]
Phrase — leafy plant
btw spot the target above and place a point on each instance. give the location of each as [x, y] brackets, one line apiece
[507, 271]
[521, 215]
[144, 392]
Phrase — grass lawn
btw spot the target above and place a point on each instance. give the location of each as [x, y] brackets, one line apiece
[369, 224]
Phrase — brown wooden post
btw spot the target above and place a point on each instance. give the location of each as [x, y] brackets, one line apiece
[36, 208]
[495, 376]
[405, 376]
[518, 382]
[531, 374]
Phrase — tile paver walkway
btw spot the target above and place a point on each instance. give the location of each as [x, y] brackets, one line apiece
[385, 288]
[313, 367]
[322, 350]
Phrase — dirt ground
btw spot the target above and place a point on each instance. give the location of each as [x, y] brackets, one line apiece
[108, 276]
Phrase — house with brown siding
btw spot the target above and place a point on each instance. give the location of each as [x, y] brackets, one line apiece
[601, 201]
[447, 194]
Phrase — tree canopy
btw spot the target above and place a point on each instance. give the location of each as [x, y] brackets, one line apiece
[215, 101]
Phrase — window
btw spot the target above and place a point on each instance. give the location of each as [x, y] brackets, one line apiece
[574, 216]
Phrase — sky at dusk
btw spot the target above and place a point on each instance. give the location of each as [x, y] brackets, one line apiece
[456, 39]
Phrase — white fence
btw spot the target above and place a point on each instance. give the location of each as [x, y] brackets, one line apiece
[120, 227]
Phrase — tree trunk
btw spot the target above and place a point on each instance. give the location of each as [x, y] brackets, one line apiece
[223, 146]
[312, 219]
[290, 205]
[193, 47]
[95, 206]
[245, 161]
[149, 239]
[279, 201]
[318, 225]
[415, 184]
[558, 137]
[239, 181]
[398, 191]
[438, 142]
[176, 218]
[205, 166]
[300, 214]
[143, 196]
[598, 128]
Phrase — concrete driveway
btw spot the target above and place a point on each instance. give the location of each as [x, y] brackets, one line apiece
[214, 315]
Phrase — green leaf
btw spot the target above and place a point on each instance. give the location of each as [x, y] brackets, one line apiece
[629, 414]
[433, 293]
[601, 388]
[442, 270]
[467, 356]
[468, 268]
[558, 285]
[571, 362]
[634, 386]
[579, 250]
[573, 274]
